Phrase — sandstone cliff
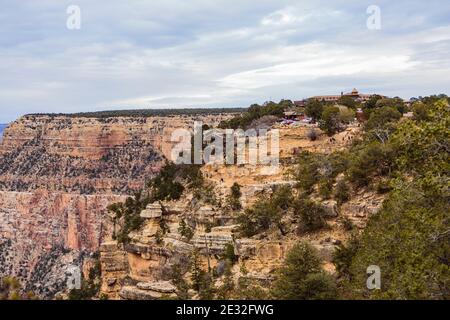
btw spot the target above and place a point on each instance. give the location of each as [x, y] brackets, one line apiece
[87, 155]
[57, 176]
[128, 271]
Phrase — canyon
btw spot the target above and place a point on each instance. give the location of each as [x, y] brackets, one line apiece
[143, 269]
[58, 174]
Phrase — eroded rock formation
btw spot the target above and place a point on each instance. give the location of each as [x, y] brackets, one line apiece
[58, 174]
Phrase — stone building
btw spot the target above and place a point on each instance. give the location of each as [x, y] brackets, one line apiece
[355, 94]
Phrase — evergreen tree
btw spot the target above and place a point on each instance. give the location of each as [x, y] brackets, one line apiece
[302, 277]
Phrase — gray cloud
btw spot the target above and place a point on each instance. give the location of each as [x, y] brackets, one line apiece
[175, 53]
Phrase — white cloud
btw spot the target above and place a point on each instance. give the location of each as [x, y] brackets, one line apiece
[223, 53]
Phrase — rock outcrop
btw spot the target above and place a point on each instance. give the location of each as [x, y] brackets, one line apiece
[148, 291]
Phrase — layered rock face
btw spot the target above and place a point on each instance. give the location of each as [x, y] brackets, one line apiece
[86, 155]
[143, 269]
[41, 233]
[58, 174]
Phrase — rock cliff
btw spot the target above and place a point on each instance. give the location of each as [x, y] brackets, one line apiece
[150, 255]
[57, 176]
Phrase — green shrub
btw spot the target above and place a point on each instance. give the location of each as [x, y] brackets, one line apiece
[420, 111]
[342, 192]
[343, 256]
[255, 112]
[282, 197]
[265, 213]
[258, 218]
[164, 186]
[371, 104]
[202, 281]
[185, 231]
[229, 255]
[302, 277]
[311, 215]
[382, 123]
[306, 171]
[347, 115]
[177, 279]
[408, 238]
[326, 188]
[234, 199]
[319, 286]
[314, 109]
[348, 102]
[10, 289]
[127, 215]
[312, 168]
[371, 160]
[170, 182]
[331, 122]
[394, 103]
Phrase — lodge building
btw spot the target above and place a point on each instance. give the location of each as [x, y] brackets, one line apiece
[360, 97]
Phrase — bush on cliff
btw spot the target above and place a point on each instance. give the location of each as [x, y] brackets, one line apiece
[177, 278]
[202, 281]
[302, 277]
[229, 255]
[234, 199]
[164, 186]
[185, 231]
[170, 182]
[409, 240]
[310, 213]
[370, 161]
[127, 216]
[266, 213]
[10, 289]
[342, 192]
[311, 168]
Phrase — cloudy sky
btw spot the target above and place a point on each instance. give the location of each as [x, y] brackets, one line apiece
[215, 53]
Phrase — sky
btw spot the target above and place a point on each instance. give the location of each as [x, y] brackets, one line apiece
[215, 53]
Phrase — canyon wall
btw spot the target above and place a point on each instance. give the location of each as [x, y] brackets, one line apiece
[160, 252]
[57, 176]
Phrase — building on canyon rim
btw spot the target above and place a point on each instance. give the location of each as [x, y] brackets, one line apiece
[354, 94]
